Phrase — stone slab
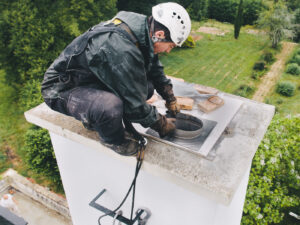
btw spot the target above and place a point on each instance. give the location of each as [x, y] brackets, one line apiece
[216, 179]
[205, 89]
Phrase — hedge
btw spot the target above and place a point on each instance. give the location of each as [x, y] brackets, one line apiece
[40, 155]
[274, 184]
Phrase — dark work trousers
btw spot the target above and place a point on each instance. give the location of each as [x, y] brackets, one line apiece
[98, 109]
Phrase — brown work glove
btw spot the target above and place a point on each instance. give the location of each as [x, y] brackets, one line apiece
[173, 107]
[171, 103]
[164, 125]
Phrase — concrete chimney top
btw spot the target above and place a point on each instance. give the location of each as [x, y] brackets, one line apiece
[216, 177]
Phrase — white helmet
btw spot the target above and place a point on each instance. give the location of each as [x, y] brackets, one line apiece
[175, 18]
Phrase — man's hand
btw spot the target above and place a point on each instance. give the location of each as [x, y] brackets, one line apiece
[173, 107]
[164, 126]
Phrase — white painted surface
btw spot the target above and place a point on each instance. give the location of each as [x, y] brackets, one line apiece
[86, 171]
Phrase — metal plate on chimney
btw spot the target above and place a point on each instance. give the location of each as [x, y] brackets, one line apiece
[190, 132]
[214, 123]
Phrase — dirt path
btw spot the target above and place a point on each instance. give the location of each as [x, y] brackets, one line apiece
[271, 78]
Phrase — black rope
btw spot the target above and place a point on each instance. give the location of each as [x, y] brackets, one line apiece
[140, 157]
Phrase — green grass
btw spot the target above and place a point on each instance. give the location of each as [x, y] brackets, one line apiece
[217, 61]
[286, 105]
[12, 127]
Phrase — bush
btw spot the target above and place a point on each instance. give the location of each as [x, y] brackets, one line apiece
[295, 59]
[293, 68]
[244, 90]
[259, 65]
[268, 57]
[286, 88]
[189, 43]
[40, 155]
[274, 184]
[31, 95]
[257, 74]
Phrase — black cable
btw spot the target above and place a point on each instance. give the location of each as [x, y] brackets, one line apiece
[133, 183]
[134, 187]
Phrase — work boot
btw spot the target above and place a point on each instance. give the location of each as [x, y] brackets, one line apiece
[164, 126]
[128, 147]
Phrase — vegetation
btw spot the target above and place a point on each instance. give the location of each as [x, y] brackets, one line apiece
[189, 43]
[293, 68]
[268, 57]
[286, 88]
[287, 105]
[33, 33]
[221, 10]
[40, 156]
[218, 61]
[278, 22]
[12, 128]
[259, 65]
[274, 185]
[238, 20]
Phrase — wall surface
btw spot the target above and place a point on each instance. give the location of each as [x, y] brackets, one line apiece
[86, 171]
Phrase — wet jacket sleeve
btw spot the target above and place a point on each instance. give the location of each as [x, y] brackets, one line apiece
[118, 64]
[158, 77]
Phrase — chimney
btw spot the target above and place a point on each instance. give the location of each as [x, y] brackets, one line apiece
[201, 182]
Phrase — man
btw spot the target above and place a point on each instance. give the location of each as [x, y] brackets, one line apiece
[109, 72]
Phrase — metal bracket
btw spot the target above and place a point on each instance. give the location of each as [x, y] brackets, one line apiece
[121, 218]
[143, 219]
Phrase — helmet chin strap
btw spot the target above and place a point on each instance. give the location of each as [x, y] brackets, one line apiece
[154, 38]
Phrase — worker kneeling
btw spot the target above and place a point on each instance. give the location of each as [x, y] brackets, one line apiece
[108, 73]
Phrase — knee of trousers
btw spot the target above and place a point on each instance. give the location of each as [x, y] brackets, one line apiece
[108, 113]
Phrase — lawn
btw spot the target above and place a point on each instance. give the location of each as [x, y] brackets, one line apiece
[217, 61]
[12, 127]
[286, 105]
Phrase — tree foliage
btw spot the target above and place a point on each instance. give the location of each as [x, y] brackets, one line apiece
[33, 33]
[40, 155]
[238, 20]
[278, 22]
[274, 184]
[297, 24]
[222, 10]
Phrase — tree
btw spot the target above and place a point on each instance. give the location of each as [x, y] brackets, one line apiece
[278, 22]
[297, 25]
[238, 20]
[34, 32]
